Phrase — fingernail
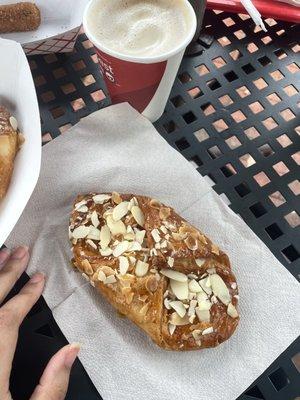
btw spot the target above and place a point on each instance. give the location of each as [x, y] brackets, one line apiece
[36, 278]
[4, 255]
[72, 354]
[19, 253]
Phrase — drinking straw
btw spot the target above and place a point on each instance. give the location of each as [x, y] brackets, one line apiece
[254, 14]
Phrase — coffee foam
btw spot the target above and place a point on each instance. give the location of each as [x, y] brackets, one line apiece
[140, 28]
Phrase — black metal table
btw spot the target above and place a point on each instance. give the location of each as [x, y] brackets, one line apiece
[234, 114]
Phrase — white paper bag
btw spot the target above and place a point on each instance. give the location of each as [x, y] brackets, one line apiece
[60, 23]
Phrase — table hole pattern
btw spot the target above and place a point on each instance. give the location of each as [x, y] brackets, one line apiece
[279, 379]
[252, 74]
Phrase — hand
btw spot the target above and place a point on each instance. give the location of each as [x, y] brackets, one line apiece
[54, 381]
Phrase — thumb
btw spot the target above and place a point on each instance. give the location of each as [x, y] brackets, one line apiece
[55, 379]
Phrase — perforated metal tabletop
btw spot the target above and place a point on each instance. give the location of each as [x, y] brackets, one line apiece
[234, 114]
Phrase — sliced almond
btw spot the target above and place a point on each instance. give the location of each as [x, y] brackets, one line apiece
[80, 232]
[85, 277]
[220, 289]
[101, 198]
[106, 252]
[211, 270]
[91, 243]
[129, 229]
[151, 284]
[164, 229]
[126, 280]
[170, 262]
[141, 268]
[120, 211]
[177, 320]
[153, 252]
[203, 315]
[197, 334]
[132, 203]
[202, 238]
[116, 198]
[163, 244]
[203, 284]
[208, 283]
[104, 236]
[200, 261]
[157, 246]
[174, 275]
[87, 267]
[140, 236]
[164, 212]
[101, 276]
[172, 329]
[204, 305]
[116, 228]
[233, 285]
[94, 233]
[107, 270]
[201, 297]
[178, 237]
[191, 243]
[215, 249]
[128, 293]
[79, 204]
[13, 123]
[194, 286]
[156, 236]
[121, 248]
[132, 260]
[155, 203]
[134, 246]
[232, 311]
[180, 289]
[129, 236]
[191, 310]
[123, 265]
[192, 296]
[178, 307]
[213, 299]
[110, 279]
[207, 331]
[193, 276]
[95, 219]
[83, 209]
[138, 215]
[167, 304]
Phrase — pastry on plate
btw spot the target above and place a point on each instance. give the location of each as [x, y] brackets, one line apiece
[10, 141]
[19, 17]
[156, 269]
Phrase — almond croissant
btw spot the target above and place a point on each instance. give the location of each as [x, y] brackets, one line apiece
[156, 269]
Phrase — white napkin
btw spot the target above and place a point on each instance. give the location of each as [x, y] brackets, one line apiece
[117, 149]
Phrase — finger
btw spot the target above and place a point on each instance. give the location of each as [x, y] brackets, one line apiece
[4, 254]
[55, 379]
[11, 316]
[12, 270]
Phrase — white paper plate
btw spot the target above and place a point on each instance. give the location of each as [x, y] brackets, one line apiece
[17, 93]
[57, 17]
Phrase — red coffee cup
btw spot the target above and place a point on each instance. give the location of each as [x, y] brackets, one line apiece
[143, 82]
